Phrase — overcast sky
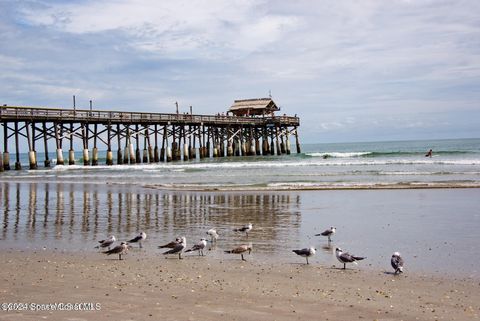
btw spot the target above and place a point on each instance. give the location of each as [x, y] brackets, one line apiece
[352, 70]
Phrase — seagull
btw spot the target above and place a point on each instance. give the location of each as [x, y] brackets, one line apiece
[106, 242]
[198, 247]
[397, 263]
[306, 252]
[213, 234]
[172, 244]
[345, 257]
[246, 228]
[119, 249]
[139, 238]
[328, 232]
[179, 248]
[240, 250]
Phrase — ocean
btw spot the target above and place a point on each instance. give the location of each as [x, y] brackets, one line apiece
[382, 197]
[454, 163]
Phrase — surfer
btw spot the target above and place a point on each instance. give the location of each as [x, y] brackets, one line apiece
[429, 153]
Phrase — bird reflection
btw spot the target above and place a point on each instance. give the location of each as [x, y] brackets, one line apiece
[328, 248]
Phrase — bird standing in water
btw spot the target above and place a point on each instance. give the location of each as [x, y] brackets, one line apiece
[119, 249]
[240, 250]
[345, 257]
[139, 239]
[306, 252]
[328, 233]
[179, 248]
[246, 228]
[106, 243]
[198, 247]
[397, 263]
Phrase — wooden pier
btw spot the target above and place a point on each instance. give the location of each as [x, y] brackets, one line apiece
[139, 137]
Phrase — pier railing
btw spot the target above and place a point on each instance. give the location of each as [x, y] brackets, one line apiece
[38, 114]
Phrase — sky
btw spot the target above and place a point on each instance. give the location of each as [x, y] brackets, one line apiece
[369, 70]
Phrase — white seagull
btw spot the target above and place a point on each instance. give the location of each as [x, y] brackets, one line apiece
[306, 252]
[345, 257]
[246, 228]
[106, 243]
[139, 239]
[198, 247]
[328, 233]
[397, 263]
[179, 248]
[240, 250]
[213, 235]
[119, 249]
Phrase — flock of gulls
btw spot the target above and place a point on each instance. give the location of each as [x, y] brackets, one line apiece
[179, 246]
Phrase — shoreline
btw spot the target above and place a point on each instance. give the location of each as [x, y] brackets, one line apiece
[198, 288]
[282, 187]
[363, 187]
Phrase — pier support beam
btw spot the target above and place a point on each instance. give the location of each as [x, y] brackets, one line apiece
[6, 154]
[297, 141]
[32, 160]
[207, 147]
[201, 139]
[131, 151]
[174, 145]
[137, 150]
[229, 143]
[193, 149]
[86, 152]
[151, 156]
[279, 150]
[264, 142]
[272, 143]
[169, 154]
[18, 166]
[95, 149]
[287, 143]
[156, 156]
[109, 156]
[145, 150]
[252, 143]
[71, 153]
[45, 143]
[119, 142]
[164, 142]
[282, 144]
[186, 154]
[222, 143]
[58, 145]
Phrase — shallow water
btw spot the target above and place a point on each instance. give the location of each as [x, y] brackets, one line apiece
[436, 230]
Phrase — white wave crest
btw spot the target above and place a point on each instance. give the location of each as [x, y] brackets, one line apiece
[339, 154]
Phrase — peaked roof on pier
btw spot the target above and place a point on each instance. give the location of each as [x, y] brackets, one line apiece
[257, 106]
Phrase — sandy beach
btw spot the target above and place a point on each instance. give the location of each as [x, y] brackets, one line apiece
[204, 288]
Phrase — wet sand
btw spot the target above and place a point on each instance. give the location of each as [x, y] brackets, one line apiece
[205, 288]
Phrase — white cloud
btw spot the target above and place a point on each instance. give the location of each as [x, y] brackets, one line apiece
[171, 27]
[344, 66]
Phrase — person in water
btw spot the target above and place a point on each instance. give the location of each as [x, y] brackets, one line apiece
[429, 153]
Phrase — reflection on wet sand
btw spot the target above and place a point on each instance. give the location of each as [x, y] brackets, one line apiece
[85, 212]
